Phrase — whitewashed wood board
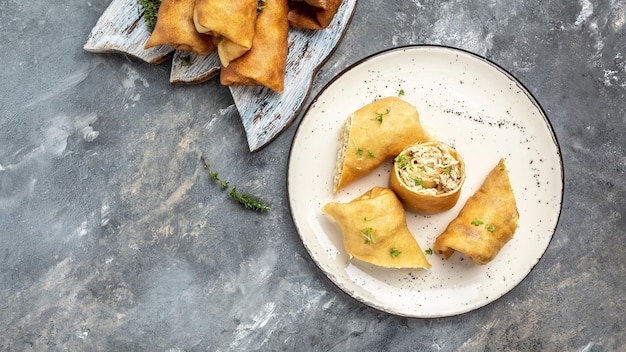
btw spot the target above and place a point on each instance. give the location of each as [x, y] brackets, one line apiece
[121, 29]
[264, 113]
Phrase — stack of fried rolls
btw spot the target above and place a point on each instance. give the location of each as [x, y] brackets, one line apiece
[251, 36]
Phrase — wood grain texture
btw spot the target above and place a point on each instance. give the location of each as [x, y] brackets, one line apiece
[121, 29]
[199, 68]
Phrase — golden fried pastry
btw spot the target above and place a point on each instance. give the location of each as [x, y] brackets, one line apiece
[374, 230]
[231, 23]
[487, 221]
[175, 27]
[312, 14]
[265, 63]
[373, 134]
[427, 177]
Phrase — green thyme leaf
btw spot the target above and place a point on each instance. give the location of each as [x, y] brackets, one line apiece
[247, 200]
[150, 13]
[261, 5]
[185, 60]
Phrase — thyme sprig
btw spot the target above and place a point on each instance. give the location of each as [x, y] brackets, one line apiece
[260, 6]
[151, 10]
[247, 200]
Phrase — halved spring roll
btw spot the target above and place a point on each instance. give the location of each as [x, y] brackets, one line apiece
[265, 63]
[373, 134]
[428, 177]
[231, 23]
[175, 27]
[487, 221]
[374, 230]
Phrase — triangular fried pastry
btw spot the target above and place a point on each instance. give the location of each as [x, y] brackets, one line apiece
[487, 221]
[373, 134]
[374, 230]
[264, 64]
[175, 27]
[230, 23]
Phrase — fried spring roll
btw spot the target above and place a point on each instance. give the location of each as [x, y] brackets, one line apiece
[487, 221]
[265, 63]
[312, 14]
[373, 134]
[231, 23]
[427, 177]
[175, 27]
[374, 230]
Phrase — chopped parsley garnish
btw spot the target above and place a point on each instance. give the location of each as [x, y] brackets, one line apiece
[490, 228]
[369, 234]
[447, 170]
[402, 161]
[429, 251]
[379, 115]
[370, 154]
[476, 222]
[418, 181]
[401, 92]
[359, 151]
[395, 252]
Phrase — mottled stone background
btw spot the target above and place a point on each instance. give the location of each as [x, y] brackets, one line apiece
[112, 237]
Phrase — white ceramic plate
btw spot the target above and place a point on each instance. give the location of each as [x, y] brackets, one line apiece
[483, 112]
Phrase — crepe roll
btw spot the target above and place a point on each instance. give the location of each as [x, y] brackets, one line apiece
[373, 134]
[374, 230]
[265, 63]
[428, 177]
[312, 14]
[487, 221]
[175, 27]
[231, 23]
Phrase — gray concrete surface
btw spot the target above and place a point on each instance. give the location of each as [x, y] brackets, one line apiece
[112, 237]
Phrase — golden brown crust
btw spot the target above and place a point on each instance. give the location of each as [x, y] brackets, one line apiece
[312, 14]
[175, 27]
[377, 131]
[434, 198]
[487, 221]
[230, 23]
[265, 63]
[374, 230]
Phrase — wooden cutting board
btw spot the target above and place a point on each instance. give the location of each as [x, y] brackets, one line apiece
[264, 113]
